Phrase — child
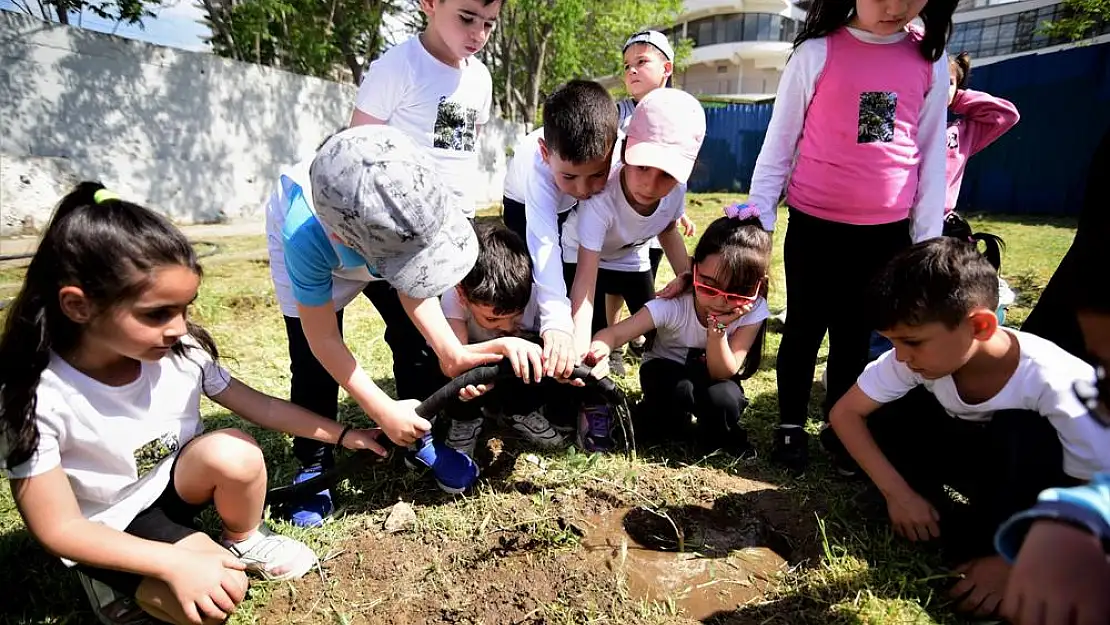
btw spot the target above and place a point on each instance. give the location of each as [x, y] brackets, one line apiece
[858, 129]
[101, 433]
[979, 119]
[704, 336]
[995, 417]
[568, 160]
[605, 239]
[491, 311]
[370, 206]
[434, 89]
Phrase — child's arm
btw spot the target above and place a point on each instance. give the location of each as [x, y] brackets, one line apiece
[204, 582]
[674, 249]
[582, 297]
[608, 339]
[932, 140]
[724, 353]
[428, 318]
[985, 118]
[382, 88]
[556, 321]
[776, 157]
[912, 516]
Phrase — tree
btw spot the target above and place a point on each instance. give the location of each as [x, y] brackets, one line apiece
[1084, 19]
[127, 11]
[540, 44]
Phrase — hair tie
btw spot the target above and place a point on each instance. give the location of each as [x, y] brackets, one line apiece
[103, 195]
[742, 211]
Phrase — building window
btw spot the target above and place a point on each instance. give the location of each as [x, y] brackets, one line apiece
[737, 27]
[1008, 34]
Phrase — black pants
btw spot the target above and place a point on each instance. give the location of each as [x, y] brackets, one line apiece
[513, 397]
[512, 213]
[673, 390]
[829, 268]
[636, 287]
[415, 368]
[1054, 315]
[656, 256]
[1000, 466]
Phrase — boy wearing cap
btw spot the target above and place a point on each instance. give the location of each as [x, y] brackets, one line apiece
[605, 241]
[648, 65]
[369, 206]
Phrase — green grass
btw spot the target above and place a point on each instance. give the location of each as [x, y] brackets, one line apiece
[512, 551]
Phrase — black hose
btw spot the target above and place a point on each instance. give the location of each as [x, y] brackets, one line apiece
[432, 405]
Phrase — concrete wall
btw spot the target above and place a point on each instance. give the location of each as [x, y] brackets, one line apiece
[195, 136]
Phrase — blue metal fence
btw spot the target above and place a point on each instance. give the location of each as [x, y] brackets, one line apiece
[1039, 167]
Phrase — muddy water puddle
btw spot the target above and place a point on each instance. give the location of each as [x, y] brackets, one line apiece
[704, 561]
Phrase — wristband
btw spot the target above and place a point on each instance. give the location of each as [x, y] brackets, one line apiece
[339, 442]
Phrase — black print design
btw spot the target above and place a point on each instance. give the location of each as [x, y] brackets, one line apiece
[455, 127]
[876, 116]
[953, 138]
[152, 453]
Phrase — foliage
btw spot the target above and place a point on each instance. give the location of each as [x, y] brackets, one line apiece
[1085, 18]
[126, 11]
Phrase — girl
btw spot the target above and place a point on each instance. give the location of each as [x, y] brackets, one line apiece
[862, 106]
[979, 119]
[101, 375]
[704, 338]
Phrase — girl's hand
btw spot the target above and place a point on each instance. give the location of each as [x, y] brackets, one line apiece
[365, 439]
[471, 392]
[676, 287]
[598, 358]
[712, 321]
[689, 229]
[401, 423]
[525, 356]
[206, 584]
[913, 517]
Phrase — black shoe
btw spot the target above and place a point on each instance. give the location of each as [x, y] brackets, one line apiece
[616, 363]
[734, 443]
[791, 449]
[842, 461]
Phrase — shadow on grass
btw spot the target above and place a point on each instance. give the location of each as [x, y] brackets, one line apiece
[40, 589]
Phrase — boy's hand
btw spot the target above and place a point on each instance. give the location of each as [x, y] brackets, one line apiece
[206, 584]
[913, 517]
[688, 227]
[1061, 577]
[471, 392]
[525, 356]
[462, 360]
[358, 440]
[558, 354]
[675, 287]
[401, 423]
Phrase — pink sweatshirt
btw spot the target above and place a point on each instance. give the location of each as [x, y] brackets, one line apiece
[982, 119]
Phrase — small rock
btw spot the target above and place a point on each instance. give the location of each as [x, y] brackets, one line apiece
[401, 517]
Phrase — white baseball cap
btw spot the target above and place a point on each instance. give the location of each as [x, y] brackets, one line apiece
[652, 38]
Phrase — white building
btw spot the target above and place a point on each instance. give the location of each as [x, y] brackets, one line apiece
[993, 30]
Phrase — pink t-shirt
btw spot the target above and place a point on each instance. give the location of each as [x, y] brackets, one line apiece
[982, 118]
[858, 155]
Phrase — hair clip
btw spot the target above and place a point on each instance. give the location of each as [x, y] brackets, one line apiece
[742, 211]
[103, 195]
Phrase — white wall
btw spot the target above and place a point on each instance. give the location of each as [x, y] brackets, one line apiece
[193, 135]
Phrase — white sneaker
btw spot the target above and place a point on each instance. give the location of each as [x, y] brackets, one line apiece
[537, 430]
[273, 556]
[463, 435]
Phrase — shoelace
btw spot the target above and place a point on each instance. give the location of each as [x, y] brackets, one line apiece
[262, 551]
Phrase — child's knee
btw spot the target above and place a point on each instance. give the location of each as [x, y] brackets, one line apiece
[728, 397]
[235, 455]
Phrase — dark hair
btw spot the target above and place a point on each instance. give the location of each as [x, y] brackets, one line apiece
[826, 16]
[109, 249]
[958, 227]
[962, 64]
[580, 121]
[939, 280]
[745, 250]
[502, 275]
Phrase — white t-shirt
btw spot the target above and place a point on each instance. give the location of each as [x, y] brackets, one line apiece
[1042, 382]
[608, 224]
[117, 444]
[438, 105]
[455, 308]
[679, 330]
[625, 109]
[347, 283]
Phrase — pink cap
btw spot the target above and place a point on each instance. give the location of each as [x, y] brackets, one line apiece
[666, 132]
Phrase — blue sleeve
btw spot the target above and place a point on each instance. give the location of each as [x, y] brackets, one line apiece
[309, 256]
[1086, 506]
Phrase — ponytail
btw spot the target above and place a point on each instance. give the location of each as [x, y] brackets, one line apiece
[108, 248]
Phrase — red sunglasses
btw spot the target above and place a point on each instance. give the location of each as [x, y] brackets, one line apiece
[732, 298]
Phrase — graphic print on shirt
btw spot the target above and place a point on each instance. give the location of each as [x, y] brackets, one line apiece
[876, 116]
[455, 127]
[154, 452]
[953, 138]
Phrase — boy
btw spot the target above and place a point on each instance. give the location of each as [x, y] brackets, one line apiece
[605, 241]
[566, 161]
[995, 418]
[333, 226]
[434, 89]
[491, 311]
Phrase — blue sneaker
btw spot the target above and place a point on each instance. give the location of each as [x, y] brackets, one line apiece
[454, 471]
[312, 510]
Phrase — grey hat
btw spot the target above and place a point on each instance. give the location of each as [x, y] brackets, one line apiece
[379, 193]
